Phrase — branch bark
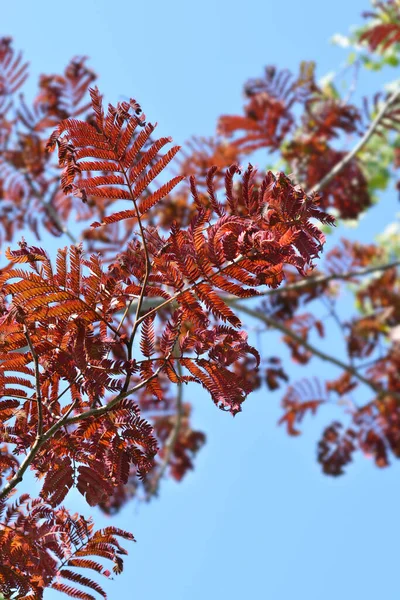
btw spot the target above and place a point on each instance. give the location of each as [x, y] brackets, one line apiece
[270, 322]
[360, 144]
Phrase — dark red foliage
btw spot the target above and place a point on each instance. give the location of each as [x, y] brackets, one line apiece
[97, 346]
[326, 118]
[350, 256]
[313, 158]
[342, 385]
[298, 400]
[185, 446]
[275, 374]
[69, 363]
[40, 547]
[385, 29]
[268, 115]
[336, 448]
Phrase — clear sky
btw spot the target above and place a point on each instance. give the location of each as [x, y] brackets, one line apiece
[256, 519]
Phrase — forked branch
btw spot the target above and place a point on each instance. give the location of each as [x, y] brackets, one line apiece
[66, 420]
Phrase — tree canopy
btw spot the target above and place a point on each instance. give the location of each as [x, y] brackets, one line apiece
[170, 253]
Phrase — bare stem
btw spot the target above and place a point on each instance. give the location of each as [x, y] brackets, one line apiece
[49, 208]
[270, 322]
[35, 358]
[172, 438]
[147, 270]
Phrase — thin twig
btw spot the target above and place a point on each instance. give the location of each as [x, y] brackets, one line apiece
[102, 410]
[172, 438]
[126, 312]
[353, 84]
[190, 288]
[319, 279]
[146, 274]
[35, 358]
[49, 208]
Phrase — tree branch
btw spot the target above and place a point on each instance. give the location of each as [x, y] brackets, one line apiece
[360, 144]
[315, 351]
[65, 420]
[49, 208]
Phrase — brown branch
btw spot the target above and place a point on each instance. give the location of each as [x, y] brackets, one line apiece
[360, 144]
[315, 351]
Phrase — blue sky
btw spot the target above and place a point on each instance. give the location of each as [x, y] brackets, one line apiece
[256, 519]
